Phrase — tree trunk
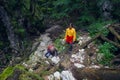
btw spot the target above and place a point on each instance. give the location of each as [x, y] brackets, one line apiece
[32, 7]
[9, 29]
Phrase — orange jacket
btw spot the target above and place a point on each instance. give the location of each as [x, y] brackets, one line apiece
[70, 32]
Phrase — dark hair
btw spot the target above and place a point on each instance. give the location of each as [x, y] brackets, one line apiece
[71, 24]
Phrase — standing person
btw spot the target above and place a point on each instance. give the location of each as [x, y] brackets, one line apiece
[70, 36]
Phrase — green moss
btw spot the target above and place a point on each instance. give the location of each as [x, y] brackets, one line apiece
[27, 75]
[30, 76]
[42, 73]
[24, 76]
[7, 72]
[20, 67]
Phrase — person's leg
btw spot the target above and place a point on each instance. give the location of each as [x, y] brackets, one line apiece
[70, 47]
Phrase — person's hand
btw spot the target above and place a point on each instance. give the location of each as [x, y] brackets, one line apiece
[73, 41]
[63, 41]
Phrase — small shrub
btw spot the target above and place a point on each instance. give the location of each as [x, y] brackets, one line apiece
[99, 27]
[106, 50]
[58, 44]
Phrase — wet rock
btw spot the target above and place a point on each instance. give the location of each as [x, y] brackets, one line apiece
[51, 77]
[55, 59]
[52, 31]
[67, 75]
[78, 65]
[65, 64]
[57, 75]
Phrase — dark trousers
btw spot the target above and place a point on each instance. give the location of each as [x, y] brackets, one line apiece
[69, 41]
[70, 46]
[54, 53]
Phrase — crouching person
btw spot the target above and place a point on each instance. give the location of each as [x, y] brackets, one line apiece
[51, 51]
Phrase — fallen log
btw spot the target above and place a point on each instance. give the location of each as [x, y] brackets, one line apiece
[112, 42]
[84, 45]
[117, 27]
[96, 74]
[112, 30]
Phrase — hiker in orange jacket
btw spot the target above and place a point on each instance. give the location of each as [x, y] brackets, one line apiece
[70, 35]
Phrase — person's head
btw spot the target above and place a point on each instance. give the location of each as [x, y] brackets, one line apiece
[71, 25]
[51, 47]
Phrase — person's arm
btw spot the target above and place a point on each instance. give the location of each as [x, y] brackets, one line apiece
[74, 37]
[65, 34]
[56, 52]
